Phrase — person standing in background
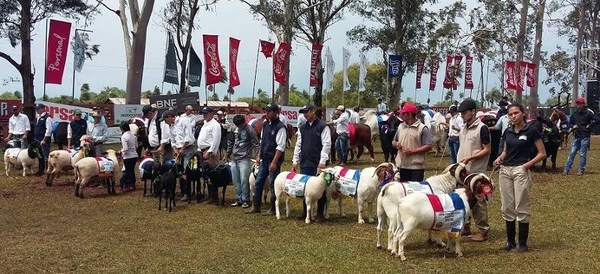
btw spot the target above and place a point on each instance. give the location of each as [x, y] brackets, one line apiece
[41, 133]
[18, 128]
[583, 121]
[413, 142]
[76, 129]
[130, 156]
[241, 148]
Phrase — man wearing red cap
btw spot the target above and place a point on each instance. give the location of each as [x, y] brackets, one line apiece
[413, 141]
[583, 121]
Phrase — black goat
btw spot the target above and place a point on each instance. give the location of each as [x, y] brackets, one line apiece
[195, 175]
[165, 184]
[220, 176]
[149, 170]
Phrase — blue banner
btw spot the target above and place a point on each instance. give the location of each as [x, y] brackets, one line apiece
[394, 65]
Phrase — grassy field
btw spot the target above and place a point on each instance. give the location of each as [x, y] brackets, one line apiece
[50, 230]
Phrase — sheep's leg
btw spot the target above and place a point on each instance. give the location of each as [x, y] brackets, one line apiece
[76, 189]
[369, 212]
[457, 248]
[6, 166]
[392, 226]
[361, 206]
[82, 184]
[277, 212]
[326, 208]
[145, 186]
[287, 207]
[401, 238]
[309, 206]
[223, 195]
[24, 170]
[160, 196]
[340, 206]
[382, 219]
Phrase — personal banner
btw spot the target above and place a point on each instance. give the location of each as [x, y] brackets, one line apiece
[448, 75]
[267, 48]
[420, 65]
[469, 73]
[58, 43]
[171, 72]
[433, 76]
[509, 75]
[345, 62]
[234, 46]
[315, 64]
[394, 65]
[194, 69]
[457, 60]
[212, 62]
[522, 73]
[531, 81]
[279, 62]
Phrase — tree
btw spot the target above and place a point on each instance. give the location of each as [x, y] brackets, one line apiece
[559, 68]
[214, 97]
[534, 99]
[521, 37]
[7, 95]
[262, 99]
[85, 96]
[298, 98]
[17, 21]
[135, 42]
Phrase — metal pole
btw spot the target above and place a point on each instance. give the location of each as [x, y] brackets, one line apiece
[255, 72]
[45, 60]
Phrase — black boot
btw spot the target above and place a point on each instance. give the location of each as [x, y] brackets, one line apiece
[523, 235]
[256, 204]
[510, 236]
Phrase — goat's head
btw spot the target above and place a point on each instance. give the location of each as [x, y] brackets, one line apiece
[480, 185]
[458, 171]
[35, 150]
[385, 172]
[328, 174]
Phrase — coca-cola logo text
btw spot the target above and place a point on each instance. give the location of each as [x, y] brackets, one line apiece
[211, 51]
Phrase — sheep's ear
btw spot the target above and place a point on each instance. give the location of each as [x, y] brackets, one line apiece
[380, 172]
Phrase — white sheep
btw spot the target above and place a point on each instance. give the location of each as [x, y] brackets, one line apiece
[392, 193]
[368, 188]
[252, 182]
[25, 158]
[420, 210]
[62, 161]
[90, 168]
[312, 187]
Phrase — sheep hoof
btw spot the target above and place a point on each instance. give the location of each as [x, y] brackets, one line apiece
[402, 258]
[379, 247]
[361, 221]
[459, 255]
[371, 220]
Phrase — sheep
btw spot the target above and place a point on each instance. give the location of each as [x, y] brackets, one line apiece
[313, 188]
[25, 158]
[392, 193]
[420, 210]
[88, 169]
[368, 188]
[252, 182]
[62, 160]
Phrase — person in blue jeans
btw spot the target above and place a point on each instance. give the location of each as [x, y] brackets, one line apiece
[270, 157]
[454, 126]
[582, 121]
[343, 134]
[241, 147]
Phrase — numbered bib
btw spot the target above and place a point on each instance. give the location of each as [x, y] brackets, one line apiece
[449, 213]
[295, 184]
[105, 165]
[348, 180]
[412, 187]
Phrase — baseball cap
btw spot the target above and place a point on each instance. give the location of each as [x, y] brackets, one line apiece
[77, 111]
[452, 109]
[207, 110]
[467, 104]
[272, 107]
[340, 107]
[15, 107]
[219, 112]
[306, 108]
[36, 106]
[580, 101]
[409, 108]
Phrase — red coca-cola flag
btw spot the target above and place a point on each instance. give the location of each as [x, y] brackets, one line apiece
[469, 73]
[434, 70]
[213, 69]
[522, 73]
[58, 43]
[531, 81]
[280, 60]
[267, 48]
[234, 78]
[420, 65]
[448, 78]
[315, 61]
[457, 60]
[509, 75]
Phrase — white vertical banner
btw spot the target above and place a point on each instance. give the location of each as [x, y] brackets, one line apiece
[345, 62]
[79, 52]
[330, 68]
[362, 73]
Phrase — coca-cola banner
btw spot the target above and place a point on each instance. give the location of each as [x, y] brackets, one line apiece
[509, 75]
[531, 81]
[449, 76]
[434, 70]
[267, 48]
[420, 65]
[522, 72]
[58, 43]
[457, 60]
[213, 69]
[469, 72]
[280, 60]
[315, 62]
[234, 78]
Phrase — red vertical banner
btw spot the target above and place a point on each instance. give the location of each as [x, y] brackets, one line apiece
[315, 61]
[457, 60]
[509, 75]
[280, 60]
[213, 69]
[448, 77]
[420, 65]
[234, 78]
[531, 81]
[522, 73]
[469, 72]
[434, 70]
[267, 48]
[57, 48]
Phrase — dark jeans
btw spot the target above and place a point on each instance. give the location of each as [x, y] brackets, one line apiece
[45, 153]
[341, 147]
[261, 178]
[413, 175]
[128, 177]
[453, 145]
[312, 171]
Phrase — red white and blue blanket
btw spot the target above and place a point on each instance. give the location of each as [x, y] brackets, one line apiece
[105, 166]
[449, 214]
[348, 180]
[295, 184]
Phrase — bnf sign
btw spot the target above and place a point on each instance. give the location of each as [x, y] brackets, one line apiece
[175, 101]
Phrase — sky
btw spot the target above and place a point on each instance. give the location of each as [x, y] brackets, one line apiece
[226, 19]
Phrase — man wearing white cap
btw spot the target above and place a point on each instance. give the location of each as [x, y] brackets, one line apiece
[18, 126]
[97, 135]
[341, 128]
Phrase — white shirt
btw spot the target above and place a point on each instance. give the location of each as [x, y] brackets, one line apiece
[210, 136]
[426, 118]
[456, 123]
[342, 123]
[166, 133]
[281, 139]
[283, 119]
[301, 121]
[18, 125]
[381, 107]
[325, 141]
[184, 133]
[191, 119]
[152, 131]
[129, 144]
[48, 124]
[97, 132]
[354, 117]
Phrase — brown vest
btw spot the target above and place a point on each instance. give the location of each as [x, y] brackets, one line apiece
[470, 143]
[409, 136]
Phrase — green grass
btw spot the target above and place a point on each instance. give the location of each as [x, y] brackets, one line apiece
[49, 230]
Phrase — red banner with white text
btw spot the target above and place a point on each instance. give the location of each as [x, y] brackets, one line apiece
[213, 69]
[457, 60]
[315, 61]
[522, 73]
[279, 62]
[234, 46]
[57, 48]
[433, 74]
[469, 72]
[448, 78]
[509, 76]
[531, 81]
[267, 48]
[420, 65]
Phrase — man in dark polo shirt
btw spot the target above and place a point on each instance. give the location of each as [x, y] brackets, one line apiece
[312, 151]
